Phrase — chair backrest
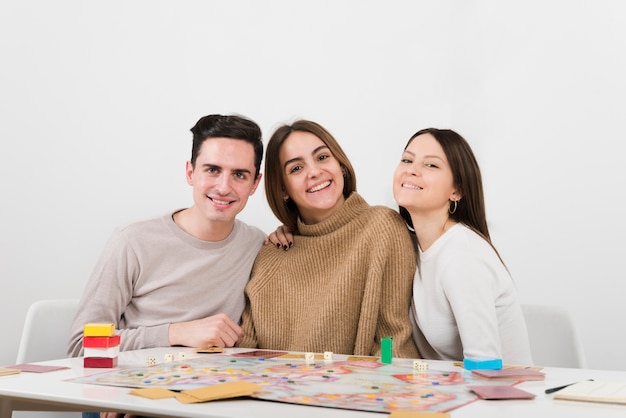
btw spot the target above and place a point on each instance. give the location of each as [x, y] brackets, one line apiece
[46, 330]
[554, 337]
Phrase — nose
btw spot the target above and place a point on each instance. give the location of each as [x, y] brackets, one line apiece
[412, 169]
[223, 184]
[314, 170]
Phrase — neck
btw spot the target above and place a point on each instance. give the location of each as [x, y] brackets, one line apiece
[429, 227]
[193, 223]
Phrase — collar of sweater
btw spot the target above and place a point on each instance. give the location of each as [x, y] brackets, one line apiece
[352, 207]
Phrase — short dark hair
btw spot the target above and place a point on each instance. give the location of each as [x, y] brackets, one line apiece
[227, 126]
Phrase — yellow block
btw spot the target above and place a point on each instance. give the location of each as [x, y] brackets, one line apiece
[99, 330]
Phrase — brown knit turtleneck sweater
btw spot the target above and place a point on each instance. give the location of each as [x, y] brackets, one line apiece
[345, 284]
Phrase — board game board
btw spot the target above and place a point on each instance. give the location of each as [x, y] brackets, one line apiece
[348, 384]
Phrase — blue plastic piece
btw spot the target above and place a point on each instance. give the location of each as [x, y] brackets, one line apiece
[482, 364]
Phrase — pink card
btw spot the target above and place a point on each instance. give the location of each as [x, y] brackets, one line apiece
[37, 368]
[513, 374]
[493, 392]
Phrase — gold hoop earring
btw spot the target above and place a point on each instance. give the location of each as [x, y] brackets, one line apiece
[452, 211]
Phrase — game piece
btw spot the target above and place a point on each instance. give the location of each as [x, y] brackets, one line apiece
[362, 358]
[151, 361]
[153, 393]
[309, 358]
[219, 391]
[101, 342]
[328, 355]
[500, 392]
[482, 364]
[182, 355]
[99, 330]
[420, 365]
[511, 374]
[417, 414]
[97, 362]
[6, 371]
[36, 368]
[102, 352]
[386, 350]
[168, 358]
[263, 353]
[210, 350]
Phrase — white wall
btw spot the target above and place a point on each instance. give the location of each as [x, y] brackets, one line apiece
[98, 98]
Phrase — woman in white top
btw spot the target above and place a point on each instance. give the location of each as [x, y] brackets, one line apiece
[465, 302]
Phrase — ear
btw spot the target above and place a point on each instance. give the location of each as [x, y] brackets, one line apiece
[285, 195]
[256, 184]
[189, 173]
[456, 195]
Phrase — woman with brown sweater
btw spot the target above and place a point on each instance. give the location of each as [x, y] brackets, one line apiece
[346, 281]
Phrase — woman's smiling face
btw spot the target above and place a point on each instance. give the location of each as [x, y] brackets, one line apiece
[423, 181]
[313, 178]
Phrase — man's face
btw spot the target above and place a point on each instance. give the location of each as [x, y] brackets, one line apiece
[223, 178]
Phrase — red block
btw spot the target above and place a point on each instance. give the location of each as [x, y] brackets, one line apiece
[101, 342]
[100, 362]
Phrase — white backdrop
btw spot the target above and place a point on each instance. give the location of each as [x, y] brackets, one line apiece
[98, 98]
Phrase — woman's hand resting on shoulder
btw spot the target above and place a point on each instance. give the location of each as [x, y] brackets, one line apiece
[281, 238]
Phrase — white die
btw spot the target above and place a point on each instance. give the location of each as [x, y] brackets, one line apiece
[420, 365]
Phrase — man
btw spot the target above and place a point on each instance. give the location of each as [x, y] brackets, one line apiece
[178, 280]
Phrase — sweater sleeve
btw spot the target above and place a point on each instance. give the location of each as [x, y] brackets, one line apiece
[247, 324]
[397, 261]
[107, 293]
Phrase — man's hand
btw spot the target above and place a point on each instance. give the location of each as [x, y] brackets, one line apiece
[214, 331]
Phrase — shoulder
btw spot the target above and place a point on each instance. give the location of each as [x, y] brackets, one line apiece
[147, 224]
[383, 218]
[141, 228]
[466, 241]
[249, 230]
[469, 254]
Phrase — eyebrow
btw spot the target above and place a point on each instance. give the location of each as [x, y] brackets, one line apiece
[425, 156]
[234, 170]
[315, 151]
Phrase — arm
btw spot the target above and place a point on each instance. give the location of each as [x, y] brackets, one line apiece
[469, 286]
[398, 270]
[214, 331]
[109, 297]
[107, 292]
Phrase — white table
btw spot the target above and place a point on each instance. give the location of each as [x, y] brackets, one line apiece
[52, 391]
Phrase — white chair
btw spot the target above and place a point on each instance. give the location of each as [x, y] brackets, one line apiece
[46, 330]
[553, 336]
[45, 336]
